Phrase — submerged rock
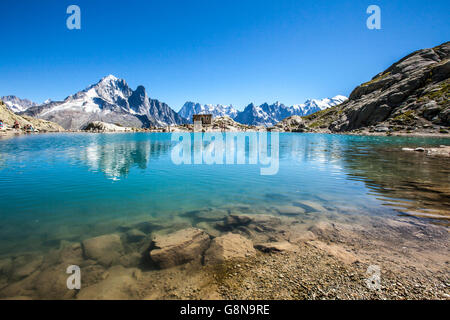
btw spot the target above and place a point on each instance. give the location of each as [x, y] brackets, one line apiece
[5, 266]
[132, 259]
[120, 284]
[179, 247]
[234, 221]
[105, 249]
[71, 253]
[291, 210]
[26, 265]
[135, 235]
[209, 214]
[208, 227]
[310, 206]
[280, 246]
[228, 247]
[51, 283]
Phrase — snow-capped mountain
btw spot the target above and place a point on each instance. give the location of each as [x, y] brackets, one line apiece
[269, 115]
[191, 108]
[313, 105]
[110, 100]
[16, 104]
[263, 115]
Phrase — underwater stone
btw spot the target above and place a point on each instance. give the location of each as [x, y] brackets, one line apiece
[228, 247]
[105, 249]
[179, 247]
[135, 235]
[290, 210]
[280, 246]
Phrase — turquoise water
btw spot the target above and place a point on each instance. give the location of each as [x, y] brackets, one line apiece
[56, 187]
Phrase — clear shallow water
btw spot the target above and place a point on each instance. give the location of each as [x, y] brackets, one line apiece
[72, 186]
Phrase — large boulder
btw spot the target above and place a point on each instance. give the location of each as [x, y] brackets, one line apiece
[228, 247]
[106, 249]
[179, 247]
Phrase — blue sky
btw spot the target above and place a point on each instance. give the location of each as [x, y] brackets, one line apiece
[228, 52]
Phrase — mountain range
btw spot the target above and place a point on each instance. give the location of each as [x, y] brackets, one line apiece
[111, 100]
[16, 104]
[191, 108]
[269, 115]
[265, 114]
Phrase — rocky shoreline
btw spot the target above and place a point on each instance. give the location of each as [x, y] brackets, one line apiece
[233, 255]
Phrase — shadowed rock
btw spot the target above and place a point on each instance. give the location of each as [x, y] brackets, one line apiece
[280, 246]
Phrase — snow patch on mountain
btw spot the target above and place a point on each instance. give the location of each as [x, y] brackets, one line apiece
[16, 104]
[191, 108]
[110, 100]
[269, 115]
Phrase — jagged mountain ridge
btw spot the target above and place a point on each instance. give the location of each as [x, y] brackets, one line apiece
[15, 104]
[191, 108]
[265, 114]
[269, 115]
[110, 100]
[9, 118]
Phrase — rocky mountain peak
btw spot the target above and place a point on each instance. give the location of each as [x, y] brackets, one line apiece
[110, 100]
[16, 104]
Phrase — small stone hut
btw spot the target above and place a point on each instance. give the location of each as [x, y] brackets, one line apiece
[206, 119]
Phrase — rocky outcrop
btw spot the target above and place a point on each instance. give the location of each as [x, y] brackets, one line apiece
[411, 94]
[99, 126]
[9, 118]
[179, 247]
[15, 104]
[442, 151]
[218, 124]
[229, 247]
[291, 124]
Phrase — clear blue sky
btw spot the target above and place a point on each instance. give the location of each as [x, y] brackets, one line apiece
[228, 52]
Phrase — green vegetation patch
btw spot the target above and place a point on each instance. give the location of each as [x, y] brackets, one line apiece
[406, 118]
[441, 95]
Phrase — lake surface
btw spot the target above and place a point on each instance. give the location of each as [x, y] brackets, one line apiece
[56, 187]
